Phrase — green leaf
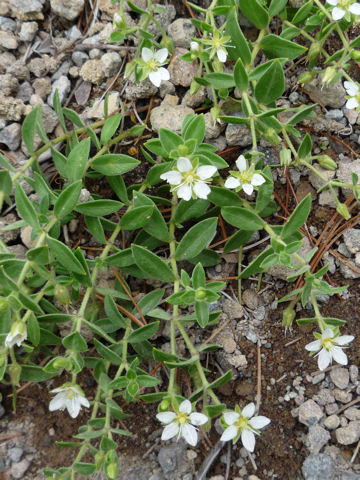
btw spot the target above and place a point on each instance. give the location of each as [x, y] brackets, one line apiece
[215, 410]
[255, 13]
[117, 183]
[25, 207]
[60, 162]
[107, 353]
[136, 217]
[202, 313]
[29, 303]
[95, 227]
[156, 225]
[113, 313]
[120, 259]
[75, 342]
[169, 140]
[271, 85]
[39, 255]
[240, 76]
[220, 80]
[254, 266]
[147, 381]
[67, 200]
[298, 217]
[107, 444]
[77, 160]
[143, 333]
[150, 301]
[110, 127]
[239, 46]
[194, 128]
[303, 112]
[196, 239]
[29, 128]
[33, 373]
[190, 210]
[33, 330]
[114, 164]
[151, 264]
[198, 276]
[58, 110]
[5, 182]
[65, 256]
[305, 147]
[73, 117]
[84, 468]
[223, 197]
[99, 208]
[221, 380]
[239, 238]
[242, 218]
[303, 13]
[276, 6]
[276, 47]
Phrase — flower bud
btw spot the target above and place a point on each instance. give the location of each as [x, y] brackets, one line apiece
[327, 162]
[194, 47]
[183, 150]
[200, 294]
[4, 304]
[272, 137]
[215, 113]
[112, 470]
[355, 55]
[285, 157]
[15, 372]
[119, 21]
[314, 51]
[288, 316]
[343, 211]
[61, 293]
[329, 75]
[61, 363]
[164, 405]
[99, 459]
[306, 77]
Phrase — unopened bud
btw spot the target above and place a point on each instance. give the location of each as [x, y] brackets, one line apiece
[314, 51]
[194, 47]
[327, 162]
[329, 75]
[343, 211]
[272, 137]
[119, 21]
[61, 363]
[200, 294]
[15, 372]
[164, 405]
[306, 77]
[355, 55]
[61, 293]
[285, 157]
[288, 317]
[99, 459]
[112, 470]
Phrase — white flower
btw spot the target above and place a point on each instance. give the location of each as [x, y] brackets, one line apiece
[153, 62]
[17, 335]
[194, 47]
[189, 181]
[69, 396]
[342, 7]
[217, 46]
[182, 424]
[353, 91]
[328, 348]
[246, 178]
[242, 424]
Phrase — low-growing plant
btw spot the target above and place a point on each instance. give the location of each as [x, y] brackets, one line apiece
[56, 283]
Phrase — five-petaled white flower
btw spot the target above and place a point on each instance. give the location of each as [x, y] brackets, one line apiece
[328, 347]
[182, 424]
[353, 91]
[217, 46]
[69, 396]
[342, 7]
[189, 181]
[241, 424]
[17, 334]
[153, 62]
[246, 178]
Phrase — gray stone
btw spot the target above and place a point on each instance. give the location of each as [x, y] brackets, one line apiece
[310, 413]
[11, 136]
[181, 72]
[97, 110]
[6, 60]
[62, 70]
[324, 397]
[95, 54]
[181, 31]
[28, 31]
[332, 422]
[25, 92]
[9, 84]
[111, 63]
[136, 90]
[19, 251]
[18, 70]
[26, 9]
[164, 17]
[330, 95]
[349, 434]
[232, 308]
[342, 396]
[316, 181]
[212, 129]
[194, 100]
[26, 237]
[238, 135]
[335, 114]
[8, 40]
[340, 377]
[10, 235]
[318, 378]
[7, 25]
[18, 469]
[251, 298]
[69, 9]
[49, 117]
[348, 272]
[345, 168]
[352, 413]
[354, 373]
[169, 116]
[42, 87]
[43, 65]
[15, 454]
[62, 85]
[318, 467]
[169, 457]
[317, 438]
[92, 72]
[167, 88]
[352, 240]
[79, 58]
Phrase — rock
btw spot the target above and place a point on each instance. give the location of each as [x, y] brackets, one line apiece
[181, 31]
[9, 84]
[317, 438]
[19, 251]
[92, 72]
[111, 63]
[62, 85]
[7, 25]
[26, 9]
[326, 198]
[251, 336]
[212, 129]
[352, 240]
[43, 65]
[345, 168]
[11, 108]
[15, 454]
[316, 181]
[232, 308]
[69, 9]
[194, 100]
[62, 70]
[8, 40]
[251, 298]
[318, 467]
[340, 377]
[281, 271]
[167, 88]
[18, 70]
[25, 92]
[352, 413]
[6, 60]
[349, 434]
[335, 114]
[332, 422]
[330, 95]
[169, 457]
[354, 373]
[342, 396]
[42, 87]
[11, 136]
[49, 117]
[79, 58]
[348, 272]
[228, 343]
[137, 90]
[318, 378]
[28, 31]
[238, 135]
[18, 469]
[181, 72]
[165, 16]
[169, 116]
[324, 397]
[97, 110]
[10, 235]
[26, 237]
[310, 413]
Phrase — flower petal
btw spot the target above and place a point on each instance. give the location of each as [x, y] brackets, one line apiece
[185, 192]
[189, 433]
[352, 103]
[338, 13]
[241, 163]
[248, 188]
[161, 55]
[257, 179]
[248, 439]
[313, 346]
[173, 177]
[185, 407]
[84, 402]
[146, 54]
[248, 411]
[201, 189]
[328, 333]
[355, 8]
[184, 164]
[221, 54]
[324, 359]
[344, 339]
[155, 78]
[165, 75]
[231, 417]
[232, 182]
[58, 402]
[339, 356]
[73, 407]
[170, 431]
[259, 422]
[351, 88]
[333, 2]
[198, 418]
[166, 417]
[229, 433]
[206, 171]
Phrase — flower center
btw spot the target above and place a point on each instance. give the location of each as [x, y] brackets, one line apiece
[182, 418]
[327, 343]
[189, 177]
[152, 65]
[242, 423]
[70, 394]
[245, 177]
[345, 4]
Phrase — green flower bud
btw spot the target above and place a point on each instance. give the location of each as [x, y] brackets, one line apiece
[15, 372]
[327, 162]
[343, 211]
[285, 157]
[329, 75]
[61, 363]
[314, 51]
[183, 150]
[272, 137]
[355, 55]
[164, 405]
[61, 293]
[119, 21]
[306, 77]
[4, 304]
[112, 470]
[99, 460]
[288, 317]
[200, 294]
[215, 113]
